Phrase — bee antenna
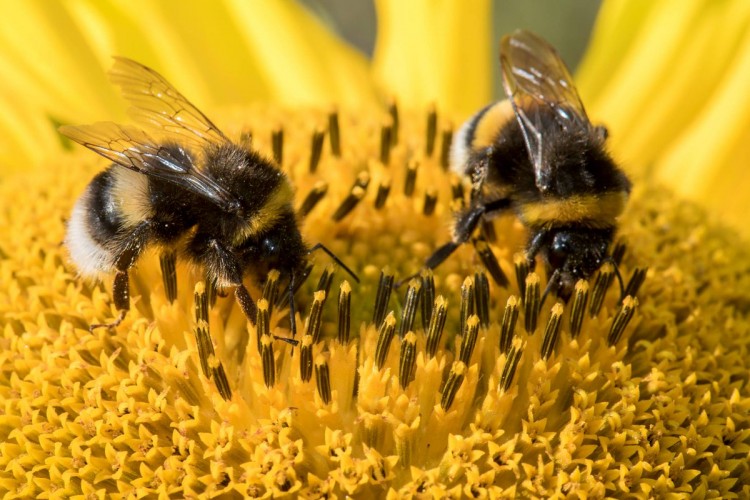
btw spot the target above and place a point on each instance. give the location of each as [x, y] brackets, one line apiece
[554, 280]
[320, 246]
[292, 342]
[611, 260]
[405, 280]
[292, 320]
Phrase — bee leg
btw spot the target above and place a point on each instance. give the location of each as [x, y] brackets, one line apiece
[121, 298]
[121, 284]
[466, 222]
[479, 169]
[246, 302]
[225, 266]
[533, 247]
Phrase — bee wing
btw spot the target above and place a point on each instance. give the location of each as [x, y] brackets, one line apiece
[157, 103]
[535, 78]
[132, 148]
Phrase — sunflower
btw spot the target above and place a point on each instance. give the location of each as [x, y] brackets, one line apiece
[453, 384]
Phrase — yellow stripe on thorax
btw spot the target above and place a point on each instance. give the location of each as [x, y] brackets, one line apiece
[591, 210]
[490, 124]
[268, 214]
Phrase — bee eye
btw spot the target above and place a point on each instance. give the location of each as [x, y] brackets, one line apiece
[561, 242]
[559, 250]
[269, 246]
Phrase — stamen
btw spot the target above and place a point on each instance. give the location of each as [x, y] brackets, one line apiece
[334, 133]
[202, 338]
[363, 179]
[324, 283]
[316, 149]
[452, 385]
[212, 367]
[431, 131]
[508, 325]
[404, 439]
[531, 303]
[351, 201]
[467, 301]
[621, 320]
[222, 382]
[317, 193]
[271, 288]
[636, 280]
[385, 336]
[323, 379]
[469, 339]
[393, 111]
[277, 144]
[445, 147]
[489, 261]
[386, 142]
[306, 358]
[314, 320]
[411, 304]
[407, 359]
[580, 298]
[552, 331]
[428, 296]
[521, 263]
[345, 298]
[618, 252]
[168, 263]
[267, 360]
[411, 177]
[511, 363]
[430, 201]
[437, 323]
[263, 322]
[383, 295]
[603, 280]
[482, 297]
[488, 230]
[383, 190]
[211, 291]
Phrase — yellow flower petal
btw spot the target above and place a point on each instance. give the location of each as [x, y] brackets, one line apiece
[436, 52]
[55, 56]
[302, 62]
[669, 80]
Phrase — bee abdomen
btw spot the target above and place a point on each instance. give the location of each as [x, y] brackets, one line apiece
[113, 203]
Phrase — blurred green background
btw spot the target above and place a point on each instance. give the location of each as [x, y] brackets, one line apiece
[565, 24]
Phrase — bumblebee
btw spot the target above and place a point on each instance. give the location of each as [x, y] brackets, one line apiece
[537, 155]
[182, 187]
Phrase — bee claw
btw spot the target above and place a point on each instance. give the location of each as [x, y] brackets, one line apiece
[110, 326]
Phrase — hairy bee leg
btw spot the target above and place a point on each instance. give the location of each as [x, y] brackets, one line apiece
[121, 298]
[121, 285]
[466, 223]
[440, 255]
[533, 247]
[224, 266]
[246, 302]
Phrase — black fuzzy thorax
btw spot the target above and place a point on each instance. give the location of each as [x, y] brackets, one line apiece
[579, 162]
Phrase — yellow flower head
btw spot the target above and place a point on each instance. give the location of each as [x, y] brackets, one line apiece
[453, 384]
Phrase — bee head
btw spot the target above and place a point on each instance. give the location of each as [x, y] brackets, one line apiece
[574, 254]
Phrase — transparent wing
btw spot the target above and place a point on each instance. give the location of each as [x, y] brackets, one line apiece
[537, 81]
[135, 149]
[157, 103]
